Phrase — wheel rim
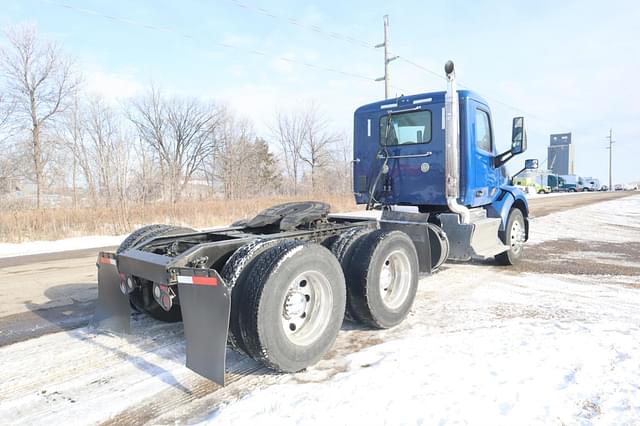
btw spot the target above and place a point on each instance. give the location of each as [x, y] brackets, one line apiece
[307, 307]
[517, 236]
[395, 279]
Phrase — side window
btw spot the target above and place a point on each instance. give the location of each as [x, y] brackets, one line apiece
[406, 128]
[483, 131]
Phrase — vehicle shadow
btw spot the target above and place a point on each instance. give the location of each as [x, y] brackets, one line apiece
[67, 309]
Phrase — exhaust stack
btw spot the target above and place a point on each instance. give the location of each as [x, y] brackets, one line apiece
[452, 146]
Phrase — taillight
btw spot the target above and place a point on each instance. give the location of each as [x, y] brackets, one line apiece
[163, 294]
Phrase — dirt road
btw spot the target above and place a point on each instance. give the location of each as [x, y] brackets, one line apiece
[544, 204]
[44, 294]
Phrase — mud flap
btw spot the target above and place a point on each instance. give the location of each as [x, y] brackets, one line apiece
[205, 302]
[113, 312]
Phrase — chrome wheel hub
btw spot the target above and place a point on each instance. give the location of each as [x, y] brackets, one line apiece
[307, 307]
[295, 305]
[517, 236]
[395, 279]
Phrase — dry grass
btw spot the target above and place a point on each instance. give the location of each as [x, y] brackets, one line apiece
[56, 223]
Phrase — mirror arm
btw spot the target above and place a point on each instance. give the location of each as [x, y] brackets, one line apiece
[500, 159]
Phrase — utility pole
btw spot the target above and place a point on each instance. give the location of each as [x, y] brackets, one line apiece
[610, 148]
[387, 57]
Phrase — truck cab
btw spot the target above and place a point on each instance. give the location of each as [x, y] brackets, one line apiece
[436, 151]
[415, 138]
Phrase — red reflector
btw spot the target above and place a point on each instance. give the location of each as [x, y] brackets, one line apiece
[204, 280]
[107, 260]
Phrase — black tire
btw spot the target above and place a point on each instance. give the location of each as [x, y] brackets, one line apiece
[141, 298]
[342, 248]
[267, 293]
[233, 272]
[374, 253]
[509, 238]
[139, 235]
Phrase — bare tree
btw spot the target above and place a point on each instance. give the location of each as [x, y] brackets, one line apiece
[289, 130]
[337, 176]
[6, 109]
[317, 141]
[72, 133]
[305, 139]
[110, 150]
[230, 164]
[40, 81]
[179, 131]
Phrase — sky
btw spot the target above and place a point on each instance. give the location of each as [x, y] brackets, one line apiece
[568, 66]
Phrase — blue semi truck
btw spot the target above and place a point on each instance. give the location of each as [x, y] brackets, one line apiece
[277, 287]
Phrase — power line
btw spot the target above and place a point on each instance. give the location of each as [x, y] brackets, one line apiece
[368, 45]
[291, 21]
[365, 44]
[192, 37]
[298, 23]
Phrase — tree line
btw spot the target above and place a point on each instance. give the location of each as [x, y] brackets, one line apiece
[86, 150]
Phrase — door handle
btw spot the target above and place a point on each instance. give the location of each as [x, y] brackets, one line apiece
[426, 154]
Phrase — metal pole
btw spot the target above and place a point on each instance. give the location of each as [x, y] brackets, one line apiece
[610, 148]
[387, 57]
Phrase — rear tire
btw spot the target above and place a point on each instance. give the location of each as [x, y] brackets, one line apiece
[234, 273]
[383, 278]
[293, 305]
[342, 248]
[140, 235]
[513, 237]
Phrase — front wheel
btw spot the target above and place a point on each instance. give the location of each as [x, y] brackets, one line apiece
[513, 237]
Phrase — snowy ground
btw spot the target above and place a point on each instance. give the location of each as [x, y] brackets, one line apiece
[77, 243]
[553, 341]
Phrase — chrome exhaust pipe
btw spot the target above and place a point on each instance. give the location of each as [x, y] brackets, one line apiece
[452, 146]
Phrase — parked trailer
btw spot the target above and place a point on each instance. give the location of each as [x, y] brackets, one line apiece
[277, 287]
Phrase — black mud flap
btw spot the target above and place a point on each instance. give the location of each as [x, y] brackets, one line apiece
[205, 302]
[113, 312]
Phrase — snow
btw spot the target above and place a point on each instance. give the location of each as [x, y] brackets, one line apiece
[78, 243]
[525, 372]
[610, 221]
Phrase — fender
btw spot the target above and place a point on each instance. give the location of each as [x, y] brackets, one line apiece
[508, 198]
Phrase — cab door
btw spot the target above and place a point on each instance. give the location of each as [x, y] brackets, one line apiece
[486, 179]
[414, 144]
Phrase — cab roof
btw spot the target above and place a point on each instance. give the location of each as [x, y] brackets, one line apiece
[418, 99]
